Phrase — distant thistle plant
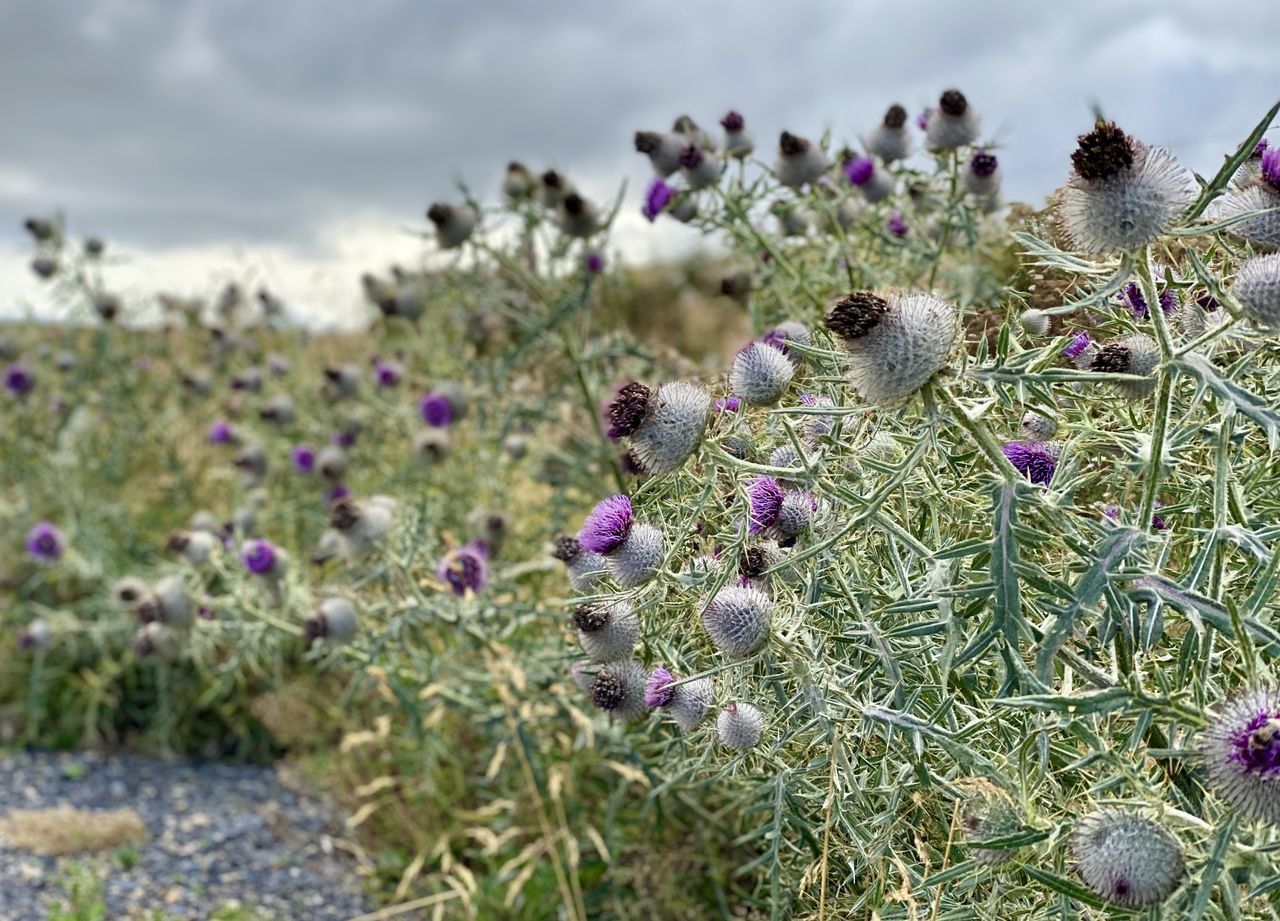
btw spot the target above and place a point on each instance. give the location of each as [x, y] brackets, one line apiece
[664, 426]
[577, 216]
[663, 150]
[982, 178]
[1121, 194]
[895, 343]
[988, 812]
[334, 621]
[1240, 752]
[738, 619]
[632, 550]
[454, 223]
[738, 142]
[891, 139]
[800, 161]
[464, 570]
[264, 559]
[45, 543]
[952, 124]
[700, 169]
[739, 726]
[1126, 858]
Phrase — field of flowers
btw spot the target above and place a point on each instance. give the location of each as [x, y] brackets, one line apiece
[914, 559]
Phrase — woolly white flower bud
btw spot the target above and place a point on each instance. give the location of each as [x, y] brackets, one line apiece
[1263, 231]
[454, 223]
[168, 603]
[278, 410]
[1037, 427]
[760, 374]
[607, 632]
[1126, 858]
[691, 702]
[1034, 322]
[952, 124]
[700, 168]
[891, 139]
[636, 561]
[1121, 194]
[799, 161]
[576, 216]
[1257, 288]
[618, 689]
[334, 620]
[739, 726]
[128, 591]
[737, 619]
[896, 344]
[1137, 354]
[662, 149]
[331, 462]
[431, 445]
[675, 419]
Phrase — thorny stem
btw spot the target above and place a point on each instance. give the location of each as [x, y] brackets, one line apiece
[1164, 396]
[978, 432]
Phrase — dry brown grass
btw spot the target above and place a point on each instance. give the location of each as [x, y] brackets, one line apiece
[67, 830]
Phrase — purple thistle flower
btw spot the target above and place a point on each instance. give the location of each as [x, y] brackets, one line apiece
[1208, 303]
[658, 691]
[594, 262]
[45, 542]
[735, 122]
[1033, 459]
[657, 198]
[436, 410]
[18, 380]
[464, 569]
[338, 491]
[386, 373]
[858, 170]
[304, 458]
[983, 163]
[897, 225]
[220, 433]
[1079, 342]
[729, 404]
[1240, 750]
[765, 497]
[1131, 296]
[1158, 522]
[607, 526]
[1270, 166]
[922, 120]
[259, 557]
[344, 438]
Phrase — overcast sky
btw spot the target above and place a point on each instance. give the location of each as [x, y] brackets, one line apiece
[295, 140]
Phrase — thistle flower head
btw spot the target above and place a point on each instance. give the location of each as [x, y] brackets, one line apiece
[1262, 230]
[334, 620]
[607, 525]
[436, 410]
[983, 163]
[739, 726]
[737, 619]
[897, 224]
[1121, 194]
[889, 140]
[303, 458]
[895, 116]
[657, 198]
[1034, 322]
[1131, 296]
[799, 162]
[988, 812]
[454, 223]
[1240, 751]
[1257, 288]
[585, 568]
[952, 124]
[1135, 354]
[1269, 166]
[1126, 858]
[35, 635]
[895, 344]
[1033, 459]
[729, 404]
[691, 703]
[618, 689]
[786, 332]
[673, 426]
[638, 558]
[658, 690]
[858, 170]
[1037, 427]
[627, 410]
[260, 557]
[765, 498]
[331, 461]
[607, 631]
[733, 122]
[1078, 344]
[464, 569]
[19, 379]
[45, 542]
[760, 374]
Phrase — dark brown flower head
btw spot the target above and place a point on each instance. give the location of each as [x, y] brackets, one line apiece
[608, 691]
[648, 141]
[1103, 152]
[895, 117]
[343, 515]
[143, 645]
[684, 125]
[439, 213]
[566, 549]
[148, 610]
[314, 628]
[953, 103]
[94, 246]
[856, 314]
[552, 180]
[792, 146]
[574, 203]
[176, 543]
[39, 228]
[590, 617]
[628, 409]
[1113, 359]
[753, 563]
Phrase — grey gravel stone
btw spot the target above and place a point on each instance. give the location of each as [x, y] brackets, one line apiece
[217, 834]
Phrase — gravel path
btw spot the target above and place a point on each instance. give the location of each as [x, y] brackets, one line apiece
[216, 834]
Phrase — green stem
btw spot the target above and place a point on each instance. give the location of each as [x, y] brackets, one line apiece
[978, 432]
